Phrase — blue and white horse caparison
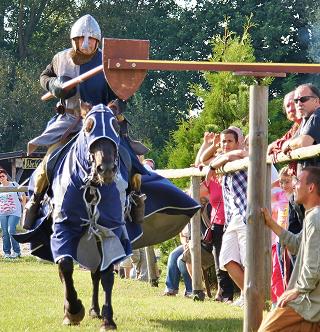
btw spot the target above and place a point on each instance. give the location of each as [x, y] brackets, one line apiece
[85, 218]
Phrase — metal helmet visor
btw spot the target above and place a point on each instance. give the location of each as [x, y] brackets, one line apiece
[86, 27]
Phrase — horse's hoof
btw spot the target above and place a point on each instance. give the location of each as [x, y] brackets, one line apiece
[108, 325]
[94, 313]
[73, 319]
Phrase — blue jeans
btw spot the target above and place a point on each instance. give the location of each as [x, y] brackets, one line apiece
[8, 225]
[175, 268]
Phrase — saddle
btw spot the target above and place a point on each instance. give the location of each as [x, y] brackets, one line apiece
[57, 155]
[118, 107]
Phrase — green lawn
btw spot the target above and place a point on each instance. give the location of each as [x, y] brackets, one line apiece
[32, 300]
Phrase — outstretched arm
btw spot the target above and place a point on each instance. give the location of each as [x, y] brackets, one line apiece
[290, 240]
[224, 158]
[296, 143]
[277, 229]
[207, 149]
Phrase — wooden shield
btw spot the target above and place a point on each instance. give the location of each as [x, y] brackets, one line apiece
[124, 82]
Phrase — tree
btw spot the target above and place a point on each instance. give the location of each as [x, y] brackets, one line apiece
[22, 115]
[27, 21]
[31, 32]
[225, 98]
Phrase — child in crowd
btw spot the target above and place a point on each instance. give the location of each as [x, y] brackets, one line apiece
[280, 193]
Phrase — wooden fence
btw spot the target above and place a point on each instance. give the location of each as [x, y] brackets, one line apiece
[195, 174]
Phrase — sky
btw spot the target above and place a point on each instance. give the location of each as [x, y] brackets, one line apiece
[183, 2]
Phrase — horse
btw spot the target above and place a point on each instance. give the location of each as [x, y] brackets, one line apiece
[85, 217]
[88, 199]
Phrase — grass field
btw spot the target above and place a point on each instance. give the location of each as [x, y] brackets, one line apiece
[32, 300]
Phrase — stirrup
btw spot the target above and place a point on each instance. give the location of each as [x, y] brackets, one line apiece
[30, 211]
[138, 207]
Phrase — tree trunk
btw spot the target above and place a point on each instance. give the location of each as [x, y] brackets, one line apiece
[2, 14]
[27, 25]
[21, 45]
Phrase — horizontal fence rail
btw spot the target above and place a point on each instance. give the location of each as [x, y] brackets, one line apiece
[241, 164]
[233, 166]
[13, 189]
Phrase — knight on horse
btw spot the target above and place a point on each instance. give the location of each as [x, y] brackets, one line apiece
[84, 55]
[86, 203]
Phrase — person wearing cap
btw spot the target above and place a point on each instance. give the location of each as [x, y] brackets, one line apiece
[234, 189]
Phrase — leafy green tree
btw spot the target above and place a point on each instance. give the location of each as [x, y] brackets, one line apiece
[29, 26]
[225, 101]
[31, 32]
[315, 41]
[22, 115]
[281, 33]
[225, 98]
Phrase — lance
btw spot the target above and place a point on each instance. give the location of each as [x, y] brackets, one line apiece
[126, 61]
[75, 81]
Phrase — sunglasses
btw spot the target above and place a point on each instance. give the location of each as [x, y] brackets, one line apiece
[303, 99]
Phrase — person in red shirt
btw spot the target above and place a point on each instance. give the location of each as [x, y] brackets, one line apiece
[206, 153]
[217, 220]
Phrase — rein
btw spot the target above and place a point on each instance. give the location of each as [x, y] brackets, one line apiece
[91, 182]
[91, 198]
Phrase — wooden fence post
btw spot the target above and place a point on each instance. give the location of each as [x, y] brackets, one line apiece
[195, 245]
[13, 169]
[255, 250]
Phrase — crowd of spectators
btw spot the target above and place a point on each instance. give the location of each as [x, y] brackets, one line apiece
[294, 216]
[295, 189]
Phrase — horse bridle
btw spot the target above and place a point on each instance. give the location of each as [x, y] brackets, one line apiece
[92, 177]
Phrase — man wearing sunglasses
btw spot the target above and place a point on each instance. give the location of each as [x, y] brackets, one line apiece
[307, 101]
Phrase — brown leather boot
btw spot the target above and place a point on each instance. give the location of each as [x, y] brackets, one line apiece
[137, 208]
[30, 211]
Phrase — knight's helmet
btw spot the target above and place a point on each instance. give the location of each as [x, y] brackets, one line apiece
[86, 26]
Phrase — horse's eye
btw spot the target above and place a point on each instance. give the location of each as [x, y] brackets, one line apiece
[89, 125]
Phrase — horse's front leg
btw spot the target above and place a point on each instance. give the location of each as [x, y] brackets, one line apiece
[73, 309]
[107, 281]
[94, 311]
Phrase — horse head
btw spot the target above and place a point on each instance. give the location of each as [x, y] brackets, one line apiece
[101, 132]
